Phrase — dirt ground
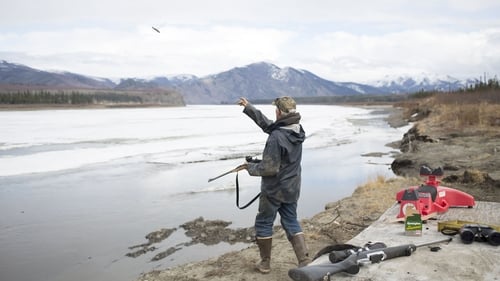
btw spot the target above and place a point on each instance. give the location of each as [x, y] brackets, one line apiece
[470, 158]
[470, 161]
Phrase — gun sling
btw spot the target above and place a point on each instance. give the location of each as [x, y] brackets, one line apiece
[238, 195]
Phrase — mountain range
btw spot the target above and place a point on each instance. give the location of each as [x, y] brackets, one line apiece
[255, 81]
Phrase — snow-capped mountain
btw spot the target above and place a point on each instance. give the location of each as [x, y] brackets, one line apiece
[256, 81]
[262, 81]
[422, 82]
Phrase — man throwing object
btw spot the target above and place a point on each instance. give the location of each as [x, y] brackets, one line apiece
[280, 170]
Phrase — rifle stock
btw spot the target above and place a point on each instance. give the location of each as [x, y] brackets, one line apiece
[249, 159]
[319, 271]
[239, 168]
[351, 264]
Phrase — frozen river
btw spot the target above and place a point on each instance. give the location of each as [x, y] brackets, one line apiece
[78, 187]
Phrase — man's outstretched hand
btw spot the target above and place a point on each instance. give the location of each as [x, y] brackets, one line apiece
[243, 101]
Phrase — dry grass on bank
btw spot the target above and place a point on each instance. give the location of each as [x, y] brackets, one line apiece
[374, 196]
[382, 191]
[461, 116]
[344, 219]
[476, 111]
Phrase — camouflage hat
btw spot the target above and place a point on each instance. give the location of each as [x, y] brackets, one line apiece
[285, 104]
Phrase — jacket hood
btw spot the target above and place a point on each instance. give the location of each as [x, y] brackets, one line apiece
[287, 120]
[295, 133]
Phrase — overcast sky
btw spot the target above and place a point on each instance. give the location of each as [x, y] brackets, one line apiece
[355, 40]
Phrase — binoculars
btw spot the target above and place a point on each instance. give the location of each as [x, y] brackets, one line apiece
[481, 233]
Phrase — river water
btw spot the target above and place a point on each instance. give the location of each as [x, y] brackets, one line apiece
[78, 187]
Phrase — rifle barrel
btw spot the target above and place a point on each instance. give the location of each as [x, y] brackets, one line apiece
[434, 242]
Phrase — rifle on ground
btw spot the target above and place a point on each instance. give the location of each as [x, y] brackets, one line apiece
[350, 264]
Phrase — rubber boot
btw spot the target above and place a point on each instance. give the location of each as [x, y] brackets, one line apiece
[299, 246]
[265, 244]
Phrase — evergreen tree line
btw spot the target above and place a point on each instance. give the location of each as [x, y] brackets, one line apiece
[490, 84]
[480, 86]
[61, 97]
[482, 91]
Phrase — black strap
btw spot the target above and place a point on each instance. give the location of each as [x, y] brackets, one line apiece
[238, 195]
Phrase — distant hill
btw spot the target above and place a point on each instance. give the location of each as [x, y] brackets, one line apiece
[257, 81]
[20, 84]
[17, 74]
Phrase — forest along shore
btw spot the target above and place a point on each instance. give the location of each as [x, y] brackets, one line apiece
[469, 153]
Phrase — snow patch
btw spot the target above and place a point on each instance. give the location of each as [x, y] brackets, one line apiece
[280, 74]
[356, 88]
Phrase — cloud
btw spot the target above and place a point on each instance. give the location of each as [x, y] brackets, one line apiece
[342, 41]
[142, 52]
[346, 56]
